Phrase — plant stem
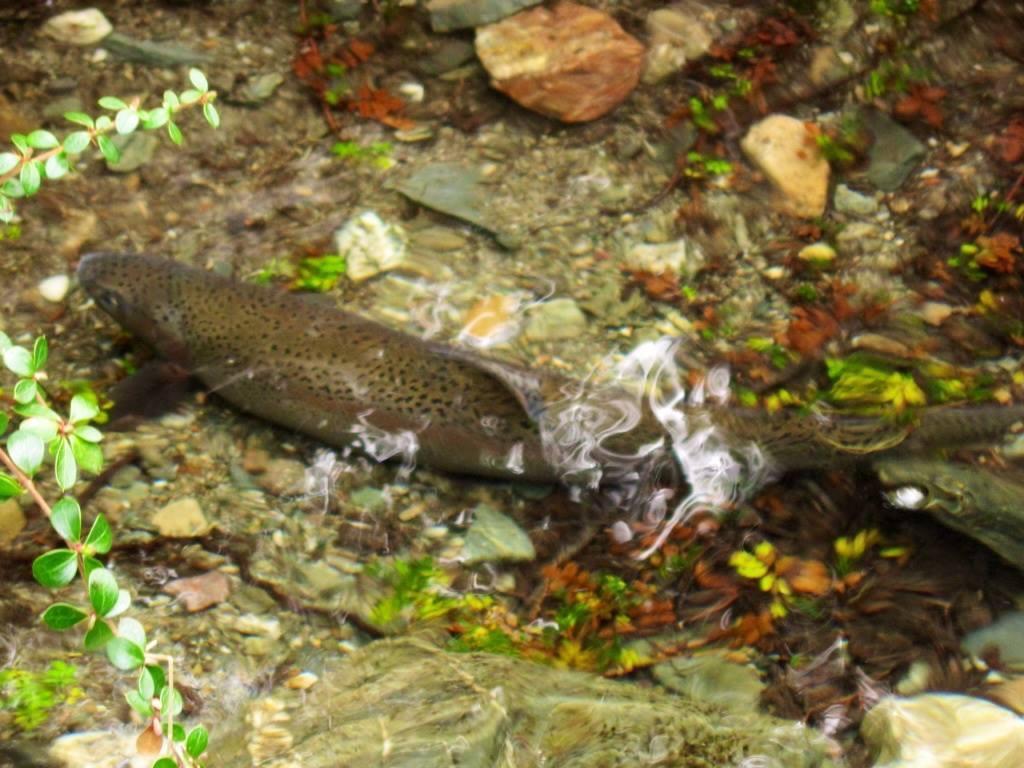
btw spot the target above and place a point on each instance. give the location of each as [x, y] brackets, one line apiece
[26, 482]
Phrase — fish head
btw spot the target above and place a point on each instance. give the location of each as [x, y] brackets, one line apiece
[139, 292]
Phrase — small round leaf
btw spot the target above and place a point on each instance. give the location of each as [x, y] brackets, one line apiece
[62, 616]
[88, 455]
[30, 178]
[25, 390]
[171, 701]
[174, 132]
[65, 466]
[43, 428]
[109, 150]
[66, 519]
[41, 139]
[139, 703]
[112, 102]
[198, 79]
[76, 142]
[40, 353]
[9, 487]
[196, 742]
[127, 120]
[78, 118]
[165, 762]
[124, 654]
[88, 433]
[26, 450]
[96, 639]
[156, 118]
[19, 361]
[83, 408]
[124, 601]
[100, 537]
[56, 568]
[102, 591]
[8, 161]
[56, 166]
[210, 113]
[132, 630]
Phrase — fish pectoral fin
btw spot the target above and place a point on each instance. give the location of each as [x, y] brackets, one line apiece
[158, 387]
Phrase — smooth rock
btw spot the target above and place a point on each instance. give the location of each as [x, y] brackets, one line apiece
[788, 155]
[817, 253]
[199, 592]
[893, 155]
[934, 312]
[282, 477]
[54, 288]
[681, 258]
[495, 537]
[369, 246]
[1005, 637]
[572, 63]
[85, 27]
[554, 320]
[942, 730]
[446, 15]
[152, 54]
[405, 704]
[12, 521]
[98, 749]
[181, 519]
[136, 150]
[445, 55]
[853, 203]
[677, 34]
[492, 320]
[710, 677]
[259, 626]
[450, 188]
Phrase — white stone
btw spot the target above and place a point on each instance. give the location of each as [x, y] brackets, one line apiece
[370, 246]
[679, 257]
[942, 730]
[678, 34]
[85, 27]
[786, 152]
[55, 288]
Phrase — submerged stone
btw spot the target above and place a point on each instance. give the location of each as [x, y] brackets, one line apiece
[572, 63]
[1004, 638]
[446, 15]
[404, 703]
[893, 155]
[786, 152]
[942, 730]
[494, 537]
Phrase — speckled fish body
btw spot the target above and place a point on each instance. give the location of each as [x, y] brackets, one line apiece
[325, 372]
[350, 381]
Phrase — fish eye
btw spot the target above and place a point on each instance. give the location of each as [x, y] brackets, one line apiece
[109, 301]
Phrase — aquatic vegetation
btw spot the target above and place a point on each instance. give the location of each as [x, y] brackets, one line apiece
[40, 155]
[32, 696]
[872, 386]
[72, 443]
[315, 274]
[378, 153]
[781, 576]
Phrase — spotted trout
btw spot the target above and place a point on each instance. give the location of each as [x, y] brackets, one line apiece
[349, 381]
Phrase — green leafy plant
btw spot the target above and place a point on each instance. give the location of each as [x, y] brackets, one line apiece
[317, 274]
[40, 155]
[378, 153]
[31, 696]
[873, 386]
[72, 444]
[700, 166]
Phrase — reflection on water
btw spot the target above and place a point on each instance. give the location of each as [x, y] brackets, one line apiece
[580, 434]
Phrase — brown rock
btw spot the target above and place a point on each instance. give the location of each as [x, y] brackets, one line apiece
[571, 62]
[199, 592]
